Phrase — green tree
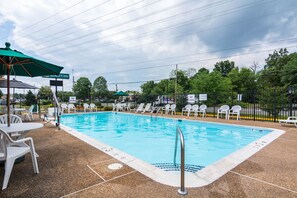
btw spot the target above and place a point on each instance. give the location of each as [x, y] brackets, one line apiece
[271, 75]
[224, 67]
[147, 92]
[289, 71]
[64, 95]
[217, 87]
[45, 93]
[30, 98]
[182, 80]
[242, 80]
[82, 88]
[100, 89]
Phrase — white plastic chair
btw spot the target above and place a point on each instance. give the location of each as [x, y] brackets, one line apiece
[166, 108]
[64, 107]
[172, 109]
[187, 109]
[13, 119]
[194, 110]
[119, 107]
[9, 152]
[29, 114]
[93, 107]
[235, 110]
[114, 106]
[223, 110]
[202, 109]
[147, 108]
[71, 107]
[86, 107]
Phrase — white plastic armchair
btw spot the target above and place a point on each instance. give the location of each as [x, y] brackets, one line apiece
[166, 108]
[71, 107]
[223, 110]
[235, 110]
[194, 110]
[202, 109]
[64, 107]
[172, 109]
[86, 107]
[187, 109]
[29, 114]
[13, 119]
[93, 107]
[9, 153]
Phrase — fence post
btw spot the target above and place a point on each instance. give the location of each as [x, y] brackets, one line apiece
[254, 100]
[274, 105]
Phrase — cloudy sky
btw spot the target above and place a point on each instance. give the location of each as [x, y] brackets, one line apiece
[133, 41]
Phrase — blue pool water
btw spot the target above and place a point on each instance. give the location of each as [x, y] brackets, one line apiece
[152, 139]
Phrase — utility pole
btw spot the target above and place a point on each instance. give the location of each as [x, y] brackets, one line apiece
[72, 78]
[175, 83]
[116, 87]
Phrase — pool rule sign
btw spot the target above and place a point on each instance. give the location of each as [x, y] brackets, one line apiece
[56, 82]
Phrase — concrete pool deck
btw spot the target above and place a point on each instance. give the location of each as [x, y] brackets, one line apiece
[71, 168]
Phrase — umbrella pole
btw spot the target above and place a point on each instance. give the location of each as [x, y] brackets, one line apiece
[8, 95]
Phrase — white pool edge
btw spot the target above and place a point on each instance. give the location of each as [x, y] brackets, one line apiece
[201, 178]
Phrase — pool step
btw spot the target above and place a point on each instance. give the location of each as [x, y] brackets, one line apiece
[171, 167]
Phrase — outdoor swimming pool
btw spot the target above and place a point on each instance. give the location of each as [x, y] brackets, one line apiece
[150, 141]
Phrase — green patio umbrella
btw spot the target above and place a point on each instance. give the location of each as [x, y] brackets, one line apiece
[120, 93]
[13, 62]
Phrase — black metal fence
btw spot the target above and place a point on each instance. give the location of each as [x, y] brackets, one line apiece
[258, 105]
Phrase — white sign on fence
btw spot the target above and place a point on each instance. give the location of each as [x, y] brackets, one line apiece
[72, 99]
[202, 97]
[239, 97]
[191, 98]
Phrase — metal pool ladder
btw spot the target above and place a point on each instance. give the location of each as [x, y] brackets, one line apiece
[182, 190]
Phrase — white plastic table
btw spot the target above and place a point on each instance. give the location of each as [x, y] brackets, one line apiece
[20, 127]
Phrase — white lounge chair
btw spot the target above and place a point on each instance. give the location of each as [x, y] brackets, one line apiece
[223, 110]
[139, 108]
[172, 109]
[86, 107]
[289, 120]
[202, 109]
[10, 151]
[71, 107]
[235, 110]
[194, 110]
[93, 107]
[187, 109]
[64, 107]
[147, 108]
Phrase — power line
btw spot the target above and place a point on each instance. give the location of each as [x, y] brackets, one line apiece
[161, 40]
[140, 26]
[40, 21]
[45, 28]
[207, 52]
[47, 37]
[154, 22]
[195, 61]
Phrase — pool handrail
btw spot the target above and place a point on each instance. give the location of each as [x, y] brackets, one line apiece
[182, 190]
